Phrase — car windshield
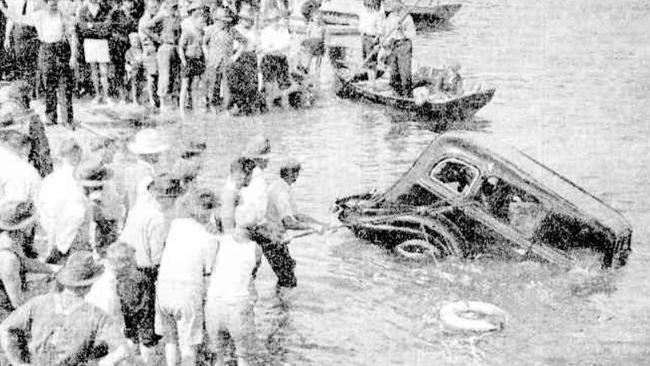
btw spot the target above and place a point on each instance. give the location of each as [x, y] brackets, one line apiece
[511, 205]
[455, 175]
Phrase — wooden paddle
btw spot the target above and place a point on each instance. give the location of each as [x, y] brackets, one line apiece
[378, 47]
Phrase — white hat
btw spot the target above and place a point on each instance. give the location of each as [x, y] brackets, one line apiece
[148, 141]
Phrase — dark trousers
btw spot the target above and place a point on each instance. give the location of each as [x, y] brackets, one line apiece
[55, 71]
[106, 233]
[368, 43]
[279, 258]
[400, 67]
[25, 52]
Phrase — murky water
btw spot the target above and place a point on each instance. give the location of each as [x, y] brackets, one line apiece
[572, 80]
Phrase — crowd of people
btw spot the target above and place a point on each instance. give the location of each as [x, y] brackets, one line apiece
[238, 56]
[141, 253]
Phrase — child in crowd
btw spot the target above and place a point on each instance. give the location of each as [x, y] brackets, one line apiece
[134, 68]
[218, 48]
[138, 317]
[190, 52]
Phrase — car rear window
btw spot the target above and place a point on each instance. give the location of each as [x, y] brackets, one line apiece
[455, 175]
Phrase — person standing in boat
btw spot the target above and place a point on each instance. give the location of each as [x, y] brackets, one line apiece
[399, 30]
[371, 26]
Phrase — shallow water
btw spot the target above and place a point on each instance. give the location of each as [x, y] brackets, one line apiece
[572, 79]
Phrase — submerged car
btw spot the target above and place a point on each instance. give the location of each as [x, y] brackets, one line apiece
[468, 194]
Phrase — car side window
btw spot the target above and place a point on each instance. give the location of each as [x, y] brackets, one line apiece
[455, 175]
[511, 205]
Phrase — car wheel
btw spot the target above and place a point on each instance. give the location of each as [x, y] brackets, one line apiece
[447, 241]
[418, 250]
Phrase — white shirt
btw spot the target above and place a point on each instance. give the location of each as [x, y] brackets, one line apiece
[275, 40]
[137, 177]
[254, 199]
[188, 256]
[51, 27]
[232, 274]
[63, 209]
[19, 180]
[371, 22]
[280, 204]
[145, 230]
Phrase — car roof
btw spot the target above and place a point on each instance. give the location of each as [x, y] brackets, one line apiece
[501, 152]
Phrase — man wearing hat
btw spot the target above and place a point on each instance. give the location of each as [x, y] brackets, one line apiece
[185, 265]
[60, 328]
[281, 215]
[17, 220]
[399, 30]
[258, 150]
[241, 170]
[148, 144]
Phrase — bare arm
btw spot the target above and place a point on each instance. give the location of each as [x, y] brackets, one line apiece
[182, 42]
[119, 354]
[9, 27]
[10, 275]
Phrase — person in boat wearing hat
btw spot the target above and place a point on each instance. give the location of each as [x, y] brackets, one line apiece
[191, 53]
[147, 145]
[371, 26]
[275, 43]
[185, 265]
[60, 328]
[399, 30]
[218, 48]
[17, 221]
[281, 215]
[62, 205]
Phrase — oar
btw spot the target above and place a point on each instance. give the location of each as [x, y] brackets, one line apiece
[377, 47]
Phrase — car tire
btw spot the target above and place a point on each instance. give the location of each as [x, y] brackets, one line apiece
[443, 236]
[417, 250]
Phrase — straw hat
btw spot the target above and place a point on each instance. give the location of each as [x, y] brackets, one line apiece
[80, 270]
[148, 141]
[92, 174]
[259, 147]
[16, 215]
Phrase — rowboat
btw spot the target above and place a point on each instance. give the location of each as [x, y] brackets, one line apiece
[424, 15]
[354, 84]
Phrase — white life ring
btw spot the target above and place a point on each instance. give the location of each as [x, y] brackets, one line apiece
[417, 249]
[473, 316]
